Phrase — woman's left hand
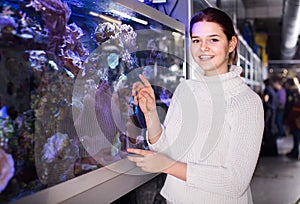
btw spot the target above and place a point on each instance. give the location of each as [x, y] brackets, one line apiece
[150, 161]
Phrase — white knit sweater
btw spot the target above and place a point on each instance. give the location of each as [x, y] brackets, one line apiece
[215, 125]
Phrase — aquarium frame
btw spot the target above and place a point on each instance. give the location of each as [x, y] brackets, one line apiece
[103, 185]
[106, 184]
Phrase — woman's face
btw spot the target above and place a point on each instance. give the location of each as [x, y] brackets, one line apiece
[210, 47]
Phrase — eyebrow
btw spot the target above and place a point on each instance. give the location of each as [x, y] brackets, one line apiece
[213, 35]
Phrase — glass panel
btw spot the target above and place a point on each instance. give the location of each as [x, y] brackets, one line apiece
[67, 69]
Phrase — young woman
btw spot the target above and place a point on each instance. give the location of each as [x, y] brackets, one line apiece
[210, 140]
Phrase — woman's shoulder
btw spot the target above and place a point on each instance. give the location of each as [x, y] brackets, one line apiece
[248, 98]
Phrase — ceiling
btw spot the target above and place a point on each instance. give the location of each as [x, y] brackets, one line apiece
[262, 3]
[266, 16]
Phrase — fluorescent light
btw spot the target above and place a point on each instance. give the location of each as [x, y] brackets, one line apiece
[139, 20]
[104, 17]
[124, 15]
[159, 1]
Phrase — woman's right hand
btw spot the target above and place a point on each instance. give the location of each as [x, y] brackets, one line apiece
[143, 95]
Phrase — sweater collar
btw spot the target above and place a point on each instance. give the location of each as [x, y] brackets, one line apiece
[231, 81]
[234, 71]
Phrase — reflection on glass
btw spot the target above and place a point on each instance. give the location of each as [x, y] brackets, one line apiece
[67, 70]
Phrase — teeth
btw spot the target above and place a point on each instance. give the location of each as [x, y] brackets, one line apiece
[205, 57]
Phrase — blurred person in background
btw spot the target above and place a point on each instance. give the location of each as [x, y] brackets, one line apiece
[281, 101]
[269, 144]
[293, 122]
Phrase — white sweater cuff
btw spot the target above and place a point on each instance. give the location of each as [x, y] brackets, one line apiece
[160, 144]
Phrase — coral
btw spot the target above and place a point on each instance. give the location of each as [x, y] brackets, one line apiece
[122, 36]
[55, 14]
[58, 157]
[54, 146]
[37, 59]
[72, 52]
[6, 169]
[106, 31]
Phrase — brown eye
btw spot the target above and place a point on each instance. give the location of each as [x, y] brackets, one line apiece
[214, 40]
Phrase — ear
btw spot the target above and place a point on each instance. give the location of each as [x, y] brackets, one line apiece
[232, 43]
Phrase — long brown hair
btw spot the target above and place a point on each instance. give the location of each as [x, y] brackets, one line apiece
[215, 15]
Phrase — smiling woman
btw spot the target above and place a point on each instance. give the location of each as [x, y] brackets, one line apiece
[213, 159]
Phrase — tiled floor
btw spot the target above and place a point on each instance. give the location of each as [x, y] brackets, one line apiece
[277, 179]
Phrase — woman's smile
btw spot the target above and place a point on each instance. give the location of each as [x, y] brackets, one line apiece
[206, 57]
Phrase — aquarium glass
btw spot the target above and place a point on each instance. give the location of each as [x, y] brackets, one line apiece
[66, 72]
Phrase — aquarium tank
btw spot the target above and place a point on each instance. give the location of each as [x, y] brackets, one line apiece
[67, 68]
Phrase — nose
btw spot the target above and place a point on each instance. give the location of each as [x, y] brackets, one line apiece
[203, 46]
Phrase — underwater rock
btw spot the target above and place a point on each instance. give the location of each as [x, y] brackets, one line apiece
[8, 25]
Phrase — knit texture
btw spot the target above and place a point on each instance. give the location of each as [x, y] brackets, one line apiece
[215, 125]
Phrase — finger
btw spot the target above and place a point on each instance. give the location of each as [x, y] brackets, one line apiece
[139, 151]
[136, 159]
[140, 164]
[142, 100]
[144, 80]
[147, 96]
[136, 101]
[136, 87]
[134, 92]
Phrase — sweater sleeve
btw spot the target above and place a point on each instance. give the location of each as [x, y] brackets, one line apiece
[234, 176]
